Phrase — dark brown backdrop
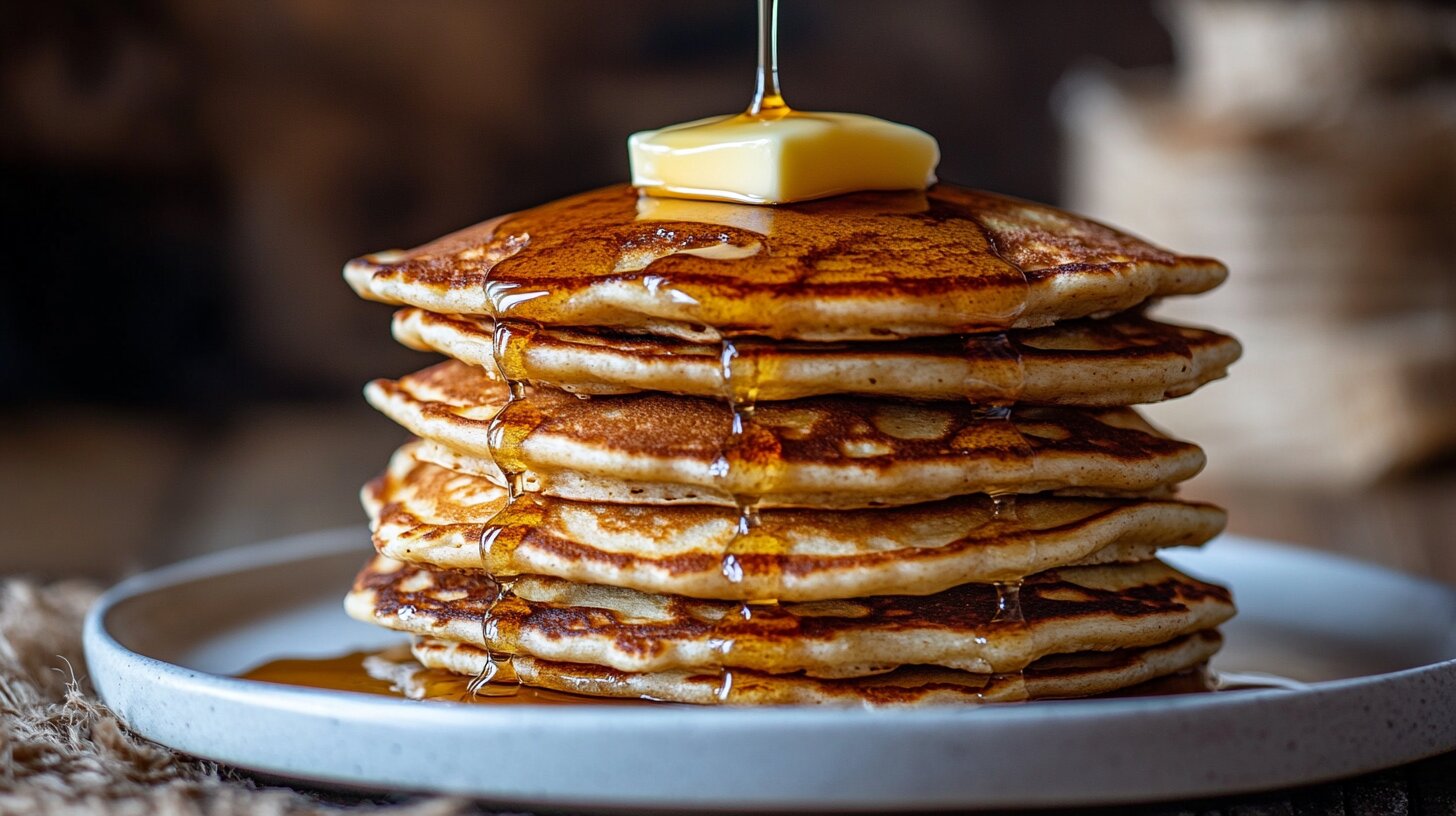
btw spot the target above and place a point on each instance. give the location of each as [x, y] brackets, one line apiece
[183, 179]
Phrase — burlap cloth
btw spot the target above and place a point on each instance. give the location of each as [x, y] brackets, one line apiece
[63, 752]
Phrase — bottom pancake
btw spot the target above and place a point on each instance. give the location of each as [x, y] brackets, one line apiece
[975, 627]
[1052, 677]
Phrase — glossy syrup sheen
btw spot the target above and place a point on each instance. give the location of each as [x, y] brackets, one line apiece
[743, 366]
[744, 274]
[730, 266]
[624, 258]
[348, 673]
[969, 250]
[875, 244]
[742, 441]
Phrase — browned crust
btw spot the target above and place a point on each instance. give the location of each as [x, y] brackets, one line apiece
[980, 260]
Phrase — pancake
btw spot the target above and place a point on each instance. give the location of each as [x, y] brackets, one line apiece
[424, 514]
[1074, 609]
[822, 451]
[862, 266]
[1122, 360]
[1056, 676]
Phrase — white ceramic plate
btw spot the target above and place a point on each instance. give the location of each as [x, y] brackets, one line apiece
[1376, 648]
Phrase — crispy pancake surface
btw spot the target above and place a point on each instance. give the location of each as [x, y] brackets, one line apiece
[863, 266]
[823, 451]
[1122, 360]
[424, 514]
[873, 449]
[1097, 608]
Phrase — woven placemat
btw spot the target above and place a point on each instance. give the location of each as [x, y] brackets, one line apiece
[63, 752]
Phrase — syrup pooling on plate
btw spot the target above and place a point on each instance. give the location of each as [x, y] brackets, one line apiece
[394, 672]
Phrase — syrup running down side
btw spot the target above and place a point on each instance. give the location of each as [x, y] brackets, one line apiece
[714, 268]
[741, 366]
[508, 431]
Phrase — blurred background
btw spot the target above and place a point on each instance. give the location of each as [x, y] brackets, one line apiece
[182, 180]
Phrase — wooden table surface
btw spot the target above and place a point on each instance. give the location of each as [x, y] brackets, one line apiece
[101, 494]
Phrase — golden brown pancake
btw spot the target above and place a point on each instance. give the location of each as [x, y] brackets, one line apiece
[1052, 677]
[924, 392]
[1073, 609]
[1121, 360]
[823, 451]
[863, 266]
[427, 515]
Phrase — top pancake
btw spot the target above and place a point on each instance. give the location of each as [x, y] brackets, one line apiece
[864, 266]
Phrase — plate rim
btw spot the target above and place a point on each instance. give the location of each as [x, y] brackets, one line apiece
[103, 648]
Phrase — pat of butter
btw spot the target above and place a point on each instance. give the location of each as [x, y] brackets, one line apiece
[776, 159]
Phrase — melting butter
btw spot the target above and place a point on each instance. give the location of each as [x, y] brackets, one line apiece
[780, 156]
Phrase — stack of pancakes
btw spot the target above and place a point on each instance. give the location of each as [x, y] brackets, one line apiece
[874, 448]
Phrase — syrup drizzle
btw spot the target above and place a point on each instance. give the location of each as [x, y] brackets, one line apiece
[499, 538]
[1003, 376]
[742, 361]
[740, 364]
[768, 100]
[497, 677]
[994, 368]
[1008, 614]
[741, 369]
